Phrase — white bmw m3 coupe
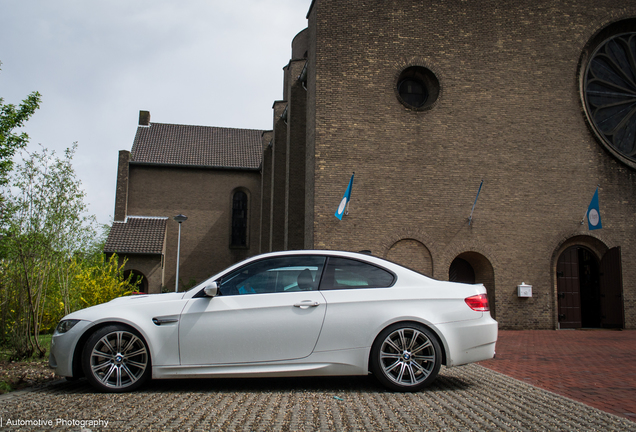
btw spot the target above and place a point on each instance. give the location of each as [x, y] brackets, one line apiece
[298, 313]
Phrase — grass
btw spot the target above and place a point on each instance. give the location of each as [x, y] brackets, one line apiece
[45, 342]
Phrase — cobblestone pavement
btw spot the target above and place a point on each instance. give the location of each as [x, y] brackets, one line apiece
[462, 399]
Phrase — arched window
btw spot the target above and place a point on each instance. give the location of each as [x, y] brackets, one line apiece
[239, 219]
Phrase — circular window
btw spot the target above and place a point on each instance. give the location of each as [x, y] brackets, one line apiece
[609, 90]
[417, 88]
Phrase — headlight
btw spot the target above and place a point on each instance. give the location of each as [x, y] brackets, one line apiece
[66, 325]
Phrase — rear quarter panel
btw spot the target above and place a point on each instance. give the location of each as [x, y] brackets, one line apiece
[354, 317]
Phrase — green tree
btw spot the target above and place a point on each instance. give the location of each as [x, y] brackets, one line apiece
[47, 230]
[11, 118]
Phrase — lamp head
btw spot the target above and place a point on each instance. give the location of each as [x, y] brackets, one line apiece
[180, 218]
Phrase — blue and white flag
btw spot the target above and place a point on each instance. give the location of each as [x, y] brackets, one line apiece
[594, 213]
[345, 200]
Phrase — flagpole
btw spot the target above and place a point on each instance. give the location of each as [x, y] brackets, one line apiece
[350, 190]
[470, 218]
[584, 216]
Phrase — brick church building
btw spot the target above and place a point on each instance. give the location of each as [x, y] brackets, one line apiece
[531, 103]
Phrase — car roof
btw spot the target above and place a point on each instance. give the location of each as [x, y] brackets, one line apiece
[327, 252]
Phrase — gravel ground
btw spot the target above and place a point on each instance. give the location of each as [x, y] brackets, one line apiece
[25, 374]
[469, 398]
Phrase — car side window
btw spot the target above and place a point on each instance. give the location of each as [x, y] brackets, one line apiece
[282, 274]
[344, 273]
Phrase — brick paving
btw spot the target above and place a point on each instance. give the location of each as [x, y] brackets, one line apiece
[595, 367]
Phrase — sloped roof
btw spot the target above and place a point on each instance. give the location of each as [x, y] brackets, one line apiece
[137, 234]
[200, 146]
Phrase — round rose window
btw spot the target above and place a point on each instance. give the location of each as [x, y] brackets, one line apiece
[609, 90]
[417, 88]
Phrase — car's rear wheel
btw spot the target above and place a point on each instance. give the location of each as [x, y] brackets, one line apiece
[116, 359]
[406, 357]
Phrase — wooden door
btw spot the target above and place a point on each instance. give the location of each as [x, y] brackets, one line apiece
[612, 289]
[461, 271]
[569, 289]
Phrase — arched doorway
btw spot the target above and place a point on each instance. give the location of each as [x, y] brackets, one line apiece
[589, 289]
[473, 267]
[137, 276]
[461, 271]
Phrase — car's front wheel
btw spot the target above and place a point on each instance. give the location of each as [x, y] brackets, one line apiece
[406, 357]
[116, 359]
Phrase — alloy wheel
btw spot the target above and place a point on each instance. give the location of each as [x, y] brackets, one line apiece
[118, 360]
[407, 357]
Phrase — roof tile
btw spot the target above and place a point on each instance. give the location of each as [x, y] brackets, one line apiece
[144, 235]
[172, 144]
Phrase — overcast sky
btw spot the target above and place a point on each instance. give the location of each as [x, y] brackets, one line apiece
[98, 63]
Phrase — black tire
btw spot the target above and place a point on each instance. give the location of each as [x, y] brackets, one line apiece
[406, 357]
[116, 359]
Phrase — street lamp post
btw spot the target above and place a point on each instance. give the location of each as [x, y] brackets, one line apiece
[179, 218]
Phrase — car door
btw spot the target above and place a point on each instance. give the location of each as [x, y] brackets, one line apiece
[360, 297]
[268, 310]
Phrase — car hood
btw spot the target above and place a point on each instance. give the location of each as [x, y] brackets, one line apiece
[119, 306]
[146, 298]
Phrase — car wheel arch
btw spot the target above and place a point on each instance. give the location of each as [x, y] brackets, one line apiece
[78, 371]
[432, 329]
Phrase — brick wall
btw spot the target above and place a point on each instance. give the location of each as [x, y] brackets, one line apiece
[509, 112]
[279, 172]
[296, 146]
[205, 197]
[266, 193]
[121, 193]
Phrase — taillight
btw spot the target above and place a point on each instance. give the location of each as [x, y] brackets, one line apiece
[478, 303]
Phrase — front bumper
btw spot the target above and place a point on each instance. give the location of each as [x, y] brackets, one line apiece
[63, 347]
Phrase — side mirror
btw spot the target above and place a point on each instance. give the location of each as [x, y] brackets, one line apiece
[211, 290]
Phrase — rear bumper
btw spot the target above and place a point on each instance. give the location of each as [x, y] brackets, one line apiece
[470, 341]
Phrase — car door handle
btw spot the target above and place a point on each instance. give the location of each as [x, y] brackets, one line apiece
[306, 304]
